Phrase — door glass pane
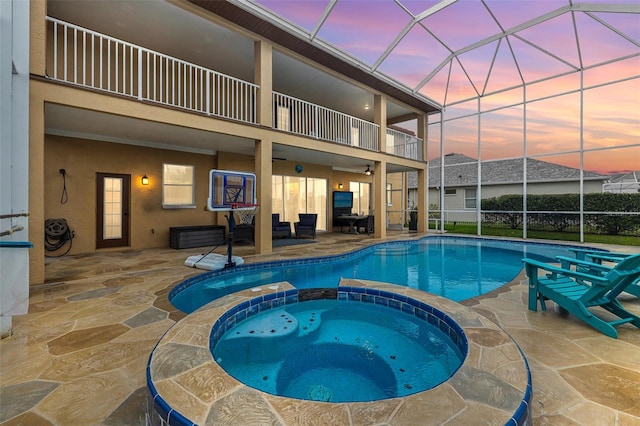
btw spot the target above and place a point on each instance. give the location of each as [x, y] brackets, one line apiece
[277, 202]
[293, 195]
[317, 201]
[112, 228]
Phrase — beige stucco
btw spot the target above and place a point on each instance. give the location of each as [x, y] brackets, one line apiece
[149, 222]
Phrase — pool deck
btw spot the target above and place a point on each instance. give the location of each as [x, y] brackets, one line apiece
[79, 357]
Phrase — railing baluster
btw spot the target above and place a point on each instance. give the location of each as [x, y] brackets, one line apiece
[55, 50]
[75, 55]
[84, 58]
[116, 71]
[236, 96]
[108, 65]
[164, 70]
[140, 81]
[208, 98]
[101, 68]
[64, 57]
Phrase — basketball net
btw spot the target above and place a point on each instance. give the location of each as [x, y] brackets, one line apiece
[244, 213]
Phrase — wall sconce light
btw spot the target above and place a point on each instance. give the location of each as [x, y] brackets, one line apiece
[145, 180]
[368, 172]
[340, 186]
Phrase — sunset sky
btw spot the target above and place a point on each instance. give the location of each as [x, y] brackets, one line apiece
[459, 53]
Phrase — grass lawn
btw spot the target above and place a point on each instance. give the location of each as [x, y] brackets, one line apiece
[496, 231]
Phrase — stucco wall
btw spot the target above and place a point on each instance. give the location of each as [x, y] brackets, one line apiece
[149, 222]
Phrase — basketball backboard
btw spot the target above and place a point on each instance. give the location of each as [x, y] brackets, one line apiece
[227, 188]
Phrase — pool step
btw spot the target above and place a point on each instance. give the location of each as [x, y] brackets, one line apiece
[271, 325]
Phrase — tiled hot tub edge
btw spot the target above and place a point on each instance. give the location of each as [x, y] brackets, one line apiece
[161, 411]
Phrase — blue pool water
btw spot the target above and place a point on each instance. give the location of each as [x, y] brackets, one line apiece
[337, 351]
[455, 268]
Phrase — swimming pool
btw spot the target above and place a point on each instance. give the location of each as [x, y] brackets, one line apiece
[457, 268]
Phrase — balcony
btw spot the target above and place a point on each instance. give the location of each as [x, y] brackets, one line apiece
[89, 59]
[404, 145]
[307, 119]
[97, 61]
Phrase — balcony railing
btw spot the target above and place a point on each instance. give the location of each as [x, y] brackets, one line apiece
[404, 145]
[304, 118]
[89, 59]
[97, 61]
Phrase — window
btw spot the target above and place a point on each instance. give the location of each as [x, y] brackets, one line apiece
[361, 197]
[283, 121]
[112, 208]
[389, 194]
[448, 191]
[470, 198]
[292, 195]
[178, 186]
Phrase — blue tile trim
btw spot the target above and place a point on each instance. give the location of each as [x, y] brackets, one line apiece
[161, 408]
[522, 416]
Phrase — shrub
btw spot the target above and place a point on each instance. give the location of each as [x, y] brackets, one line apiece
[507, 210]
[613, 224]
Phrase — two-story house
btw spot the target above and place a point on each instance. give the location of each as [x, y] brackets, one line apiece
[168, 90]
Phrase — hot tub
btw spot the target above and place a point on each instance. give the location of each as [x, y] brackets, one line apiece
[188, 386]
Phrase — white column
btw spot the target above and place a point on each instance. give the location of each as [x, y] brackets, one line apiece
[14, 161]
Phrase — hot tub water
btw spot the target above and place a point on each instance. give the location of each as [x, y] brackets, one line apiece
[337, 351]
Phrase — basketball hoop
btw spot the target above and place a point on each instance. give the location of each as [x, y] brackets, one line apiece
[244, 212]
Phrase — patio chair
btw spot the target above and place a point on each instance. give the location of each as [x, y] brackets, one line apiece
[244, 232]
[307, 224]
[598, 256]
[578, 291]
[279, 229]
[366, 224]
[591, 262]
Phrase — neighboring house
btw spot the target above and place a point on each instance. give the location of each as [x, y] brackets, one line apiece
[118, 91]
[499, 177]
[628, 183]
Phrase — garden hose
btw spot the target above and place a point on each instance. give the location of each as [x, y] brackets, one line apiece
[56, 235]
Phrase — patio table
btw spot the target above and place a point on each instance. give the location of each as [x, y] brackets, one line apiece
[352, 219]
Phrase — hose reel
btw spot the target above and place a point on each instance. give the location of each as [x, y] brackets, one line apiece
[56, 234]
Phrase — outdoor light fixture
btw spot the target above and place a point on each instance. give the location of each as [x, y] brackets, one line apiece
[339, 186]
[368, 172]
[145, 180]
